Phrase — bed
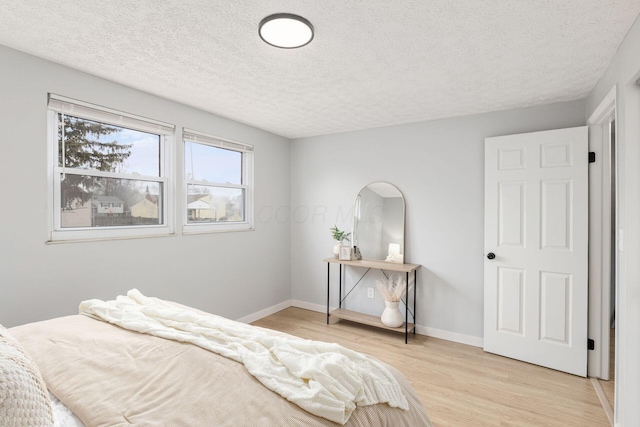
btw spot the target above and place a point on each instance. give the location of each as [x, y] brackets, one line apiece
[101, 373]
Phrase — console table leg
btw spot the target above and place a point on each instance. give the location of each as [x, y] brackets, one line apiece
[328, 288]
[415, 286]
[406, 312]
[340, 289]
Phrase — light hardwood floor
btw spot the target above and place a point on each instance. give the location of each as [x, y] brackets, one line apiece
[609, 386]
[460, 385]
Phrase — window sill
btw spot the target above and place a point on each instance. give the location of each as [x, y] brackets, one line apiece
[73, 236]
[217, 228]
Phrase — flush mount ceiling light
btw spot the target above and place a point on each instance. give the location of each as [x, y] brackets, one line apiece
[286, 31]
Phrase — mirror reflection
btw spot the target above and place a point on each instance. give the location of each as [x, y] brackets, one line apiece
[378, 222]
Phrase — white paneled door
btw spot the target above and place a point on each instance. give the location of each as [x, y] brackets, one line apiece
[536, 241]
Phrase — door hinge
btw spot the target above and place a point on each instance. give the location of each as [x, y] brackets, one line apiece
[592, 157]
[591, 344]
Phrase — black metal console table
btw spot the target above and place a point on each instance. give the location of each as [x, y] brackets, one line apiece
[366, 319]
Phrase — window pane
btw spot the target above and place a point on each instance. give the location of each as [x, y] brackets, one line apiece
[93, 145]
[90, 201]
[214, 204]
[212, 164]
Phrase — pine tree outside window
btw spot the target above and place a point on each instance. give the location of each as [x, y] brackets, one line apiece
[110, 173]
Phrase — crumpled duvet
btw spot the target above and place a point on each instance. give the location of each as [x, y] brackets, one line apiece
[326, 380]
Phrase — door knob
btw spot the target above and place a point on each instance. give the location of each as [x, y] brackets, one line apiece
[491, 255]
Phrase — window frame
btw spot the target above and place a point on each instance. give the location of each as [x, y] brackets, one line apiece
[58, 104]
[247, 183]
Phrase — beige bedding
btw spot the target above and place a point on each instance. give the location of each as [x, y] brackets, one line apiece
[324, 379]
[109, 376]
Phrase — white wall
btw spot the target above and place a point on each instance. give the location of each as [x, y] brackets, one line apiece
[439, 167]
[232, 274]
[623, 72]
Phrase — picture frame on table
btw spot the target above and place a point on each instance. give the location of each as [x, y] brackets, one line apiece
[345, 253]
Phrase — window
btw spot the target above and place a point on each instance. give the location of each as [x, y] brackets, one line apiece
[109, 172]
[219, 184]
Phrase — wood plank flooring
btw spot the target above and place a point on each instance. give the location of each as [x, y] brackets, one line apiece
[609, 386]
[460, 385]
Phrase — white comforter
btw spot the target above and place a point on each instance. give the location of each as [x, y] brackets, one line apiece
[324, 379]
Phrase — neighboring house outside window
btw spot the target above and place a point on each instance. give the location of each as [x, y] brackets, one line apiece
[218, 184]
[103, 164]
[147, 207]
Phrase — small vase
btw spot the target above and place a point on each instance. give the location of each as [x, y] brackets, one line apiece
[392, 316]
[336, 250]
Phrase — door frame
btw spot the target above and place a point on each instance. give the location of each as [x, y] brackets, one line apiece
[600, 236]
[627, 387]
[600, 242]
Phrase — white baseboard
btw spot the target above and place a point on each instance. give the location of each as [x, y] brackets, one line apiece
[309, 306]
[266, 312]
[421, 330]
[450, 336]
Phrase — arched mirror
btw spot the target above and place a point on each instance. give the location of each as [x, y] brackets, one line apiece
[378, 222]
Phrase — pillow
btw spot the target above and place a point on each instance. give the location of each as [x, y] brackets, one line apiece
[24, 400]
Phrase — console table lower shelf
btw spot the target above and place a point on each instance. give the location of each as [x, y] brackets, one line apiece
[367, 319]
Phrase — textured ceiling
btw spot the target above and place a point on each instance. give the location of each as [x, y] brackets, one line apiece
[372, 63]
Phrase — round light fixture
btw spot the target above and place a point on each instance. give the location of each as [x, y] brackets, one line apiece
[286, 31]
